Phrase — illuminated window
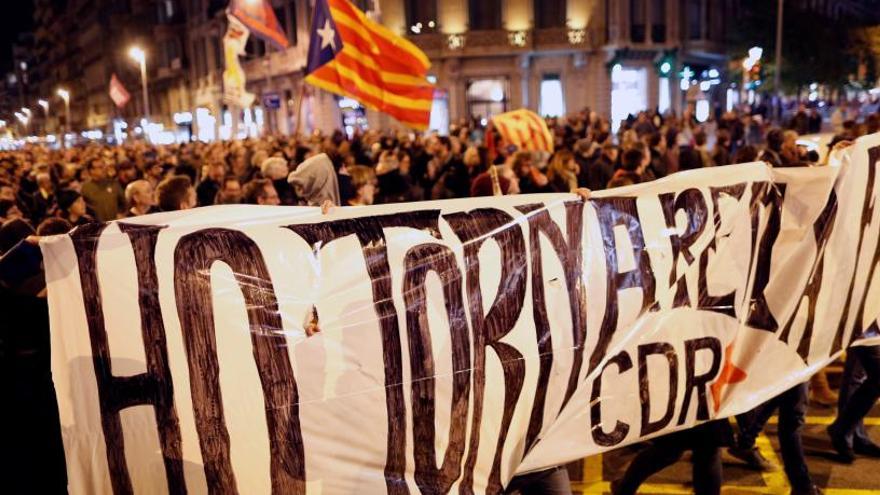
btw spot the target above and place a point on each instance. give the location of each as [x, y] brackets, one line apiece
[702, 110]
[552, 98]
[664, 101]
[629, 93]
[487, 97]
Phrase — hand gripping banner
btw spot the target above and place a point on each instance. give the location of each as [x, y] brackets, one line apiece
[448, 346]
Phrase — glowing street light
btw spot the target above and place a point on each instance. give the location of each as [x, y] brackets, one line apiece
[756, 52]
[138, 55]
[44, 104]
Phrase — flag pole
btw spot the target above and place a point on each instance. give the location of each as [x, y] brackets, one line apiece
[268, 123]
[298, 107]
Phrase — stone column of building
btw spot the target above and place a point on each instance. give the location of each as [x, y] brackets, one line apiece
[577, 94]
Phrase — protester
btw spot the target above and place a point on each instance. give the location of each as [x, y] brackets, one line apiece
[140, 197]
[704, 440]
[859, 391]
[72, 207]
[602, 169]
[53, 226]
[211, 184]
[102, 193]
[230, 192]
[30, 411]
[363, 179]
[43, 203]
[448, 173]
[261, 192]
[176, 193]
[562, 172]
[531, 179]
[315, 182]
[384, 167]
[275, 169]
[396, 183]
[631, 167]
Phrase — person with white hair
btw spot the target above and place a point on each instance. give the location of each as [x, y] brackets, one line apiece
[140, 198]
[275, 169]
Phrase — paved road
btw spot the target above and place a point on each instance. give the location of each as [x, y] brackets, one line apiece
[591, 476]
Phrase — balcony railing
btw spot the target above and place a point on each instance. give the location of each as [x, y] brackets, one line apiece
[505, 42]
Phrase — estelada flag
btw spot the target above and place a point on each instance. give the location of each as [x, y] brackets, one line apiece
[351, 55]
[524, 129]
[259, 17]
[118, 93]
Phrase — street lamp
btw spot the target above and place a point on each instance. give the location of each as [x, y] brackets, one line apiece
[138, 55]
[65, 95]
[24, 119]
[45, 106]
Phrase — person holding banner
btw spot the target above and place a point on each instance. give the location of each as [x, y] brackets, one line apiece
[315, 183]
[704, 440]
[791, 404]
[859, 391]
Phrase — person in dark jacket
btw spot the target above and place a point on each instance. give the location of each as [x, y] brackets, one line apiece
[704, 440]
[72, 207]
[207, 190]
[631, 167]
[451, 177]
[32, 458]
[602, 169]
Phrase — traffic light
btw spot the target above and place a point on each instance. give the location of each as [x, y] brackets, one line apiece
[665, 65]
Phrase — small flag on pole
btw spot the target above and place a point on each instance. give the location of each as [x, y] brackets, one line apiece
[259, 17]
[118, 93]
[352, 55]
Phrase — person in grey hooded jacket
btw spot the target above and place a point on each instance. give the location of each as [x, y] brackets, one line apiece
[315, 182]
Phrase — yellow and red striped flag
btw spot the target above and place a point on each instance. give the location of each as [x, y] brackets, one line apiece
[524, 129]
[351, 55]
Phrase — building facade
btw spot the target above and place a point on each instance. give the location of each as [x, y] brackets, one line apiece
[488, 56]
[552, 56]
[80, 44]
[562, 56]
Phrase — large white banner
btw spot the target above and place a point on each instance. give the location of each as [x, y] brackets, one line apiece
[460, 342]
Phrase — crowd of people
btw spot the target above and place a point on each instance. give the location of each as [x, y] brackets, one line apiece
[102, 183]
[50, 191]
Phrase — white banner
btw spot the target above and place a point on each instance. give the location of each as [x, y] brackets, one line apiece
[461, 342]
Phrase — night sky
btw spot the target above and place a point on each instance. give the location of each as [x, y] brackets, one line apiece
[17, 17]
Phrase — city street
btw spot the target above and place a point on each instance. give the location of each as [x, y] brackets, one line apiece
[356, 247]
[592, 476]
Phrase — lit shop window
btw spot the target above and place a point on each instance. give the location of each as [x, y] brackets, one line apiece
[664, 101]
[487, 97]
[552, 99]
[629, 93]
